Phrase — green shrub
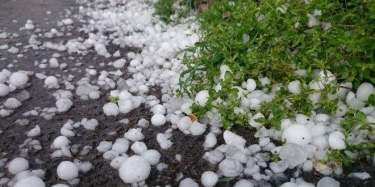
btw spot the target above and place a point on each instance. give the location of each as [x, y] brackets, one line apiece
[167, 8]
[276, 42]
[273, 39]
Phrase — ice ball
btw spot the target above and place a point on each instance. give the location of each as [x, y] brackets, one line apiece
[188, 182]
[31, 181]
[158, 109]
[231, 138]
[134, 134]
[125, 106]
[158, 119]
[111, 109]
[243, 183]
[320, 142]
[104, 146]
[143, 89]
[121, 145]
[197, 128]
[12, 103]
[67, 170]
[18, 79]
[51, 81]
[318, 130]
[29, 25]
[134, 169]
[295, 154]
[184, 123]
[336, 140]
[328, 181]
[250, 85]
[34, 132]
[4, 90]
[279, 166]
[326, 77]
[209, 178]
[202, 97]
[3, 77]
[63, 104]
[290, 184]
[138, 147]
[341, 110]
[120, 63]
[210, 141]
[294, 87]
[152, 156]
[230, 167]
[298, 134]
[53, 63]
[223, 69]
[60, 185]
[116, 162]
[60, 141]
[67, 21]
[17, 165]
[364, 91]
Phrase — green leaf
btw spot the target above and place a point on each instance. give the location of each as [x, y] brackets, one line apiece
[261, 120]
[361, 116]
[225, 179]
[231, 116]
[217, 59]
[311, 31]
[276, 123]
[371, 99]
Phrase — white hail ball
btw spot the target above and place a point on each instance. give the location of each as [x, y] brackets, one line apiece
[18, 79]
[298, 134]
[158, 119]
[31, 181]
[134, 169]
[67, 170]
[17, 165]
[202, 98]
[364, 91]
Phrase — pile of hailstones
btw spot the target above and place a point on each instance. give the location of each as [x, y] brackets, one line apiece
[307, 141]
[9, 82]
[12, 81]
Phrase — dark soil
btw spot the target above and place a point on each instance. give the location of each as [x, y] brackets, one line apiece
[189, 147]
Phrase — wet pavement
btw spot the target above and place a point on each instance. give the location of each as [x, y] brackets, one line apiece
[36, 10]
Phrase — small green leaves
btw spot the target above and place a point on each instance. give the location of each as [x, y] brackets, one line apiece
[311, 31]
[360, 116]
[371, 100]
[278, 114]
[165, 9]
[225, 179]
[261, 120]
[258, 41]
[113, 99]
[339, 157]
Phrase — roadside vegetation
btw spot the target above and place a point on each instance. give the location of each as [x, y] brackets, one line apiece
[305, 57]
[171, 10]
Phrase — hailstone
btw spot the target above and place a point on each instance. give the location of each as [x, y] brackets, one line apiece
[298, 134]
[364, 91]
[134, 169]
[336, 140]
[158, 119]
[202, 98]
[67, 170]
[17, 165]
